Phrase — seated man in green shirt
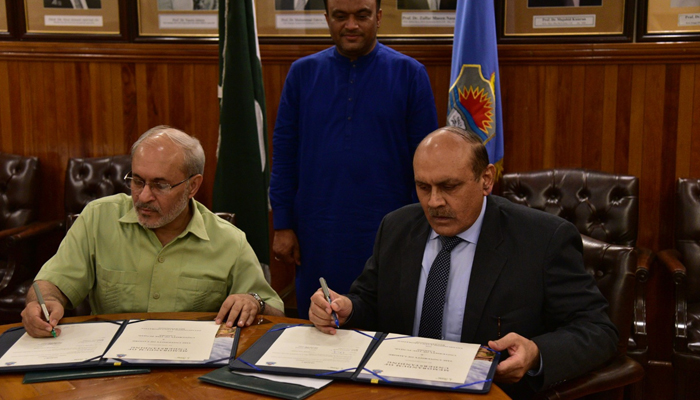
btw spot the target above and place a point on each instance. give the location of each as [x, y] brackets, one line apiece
[158, 251]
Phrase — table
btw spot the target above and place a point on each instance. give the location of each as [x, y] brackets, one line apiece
[182, 383]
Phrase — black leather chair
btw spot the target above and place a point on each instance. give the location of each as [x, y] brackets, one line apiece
[603, 206]
[614, 268]
[19, 181]
[684, 264]
[86, 179]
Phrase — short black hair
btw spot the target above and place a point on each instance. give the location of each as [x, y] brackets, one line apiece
[379, 5]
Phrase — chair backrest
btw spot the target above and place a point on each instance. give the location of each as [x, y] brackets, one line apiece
[613, 268]
[19, 189]
[603, 206]
[88, 179]
[687, 234]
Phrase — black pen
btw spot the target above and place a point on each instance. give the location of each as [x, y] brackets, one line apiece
[40, 298]
[324, 288]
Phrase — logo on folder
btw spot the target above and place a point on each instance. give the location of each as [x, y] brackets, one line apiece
[472, 102]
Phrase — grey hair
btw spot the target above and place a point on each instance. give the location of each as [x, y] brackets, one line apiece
[191, 147]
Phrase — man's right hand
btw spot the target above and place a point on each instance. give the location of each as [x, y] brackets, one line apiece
[34, 322]
[320, 311]
[285, 247]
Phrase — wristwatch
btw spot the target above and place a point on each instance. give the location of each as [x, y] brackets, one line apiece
[260, 301]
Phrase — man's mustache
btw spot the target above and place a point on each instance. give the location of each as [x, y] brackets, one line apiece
[145, 206]
[440, 212]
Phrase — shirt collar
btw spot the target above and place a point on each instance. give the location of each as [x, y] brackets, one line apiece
[471, 235]
[196, 224]
[361, 60]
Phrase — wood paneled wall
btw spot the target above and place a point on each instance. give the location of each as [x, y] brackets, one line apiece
[60, 100]
[623, 108]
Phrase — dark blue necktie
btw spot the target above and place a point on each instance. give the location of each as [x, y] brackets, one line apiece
[435, 289]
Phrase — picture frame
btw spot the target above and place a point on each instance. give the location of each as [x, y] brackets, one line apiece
[5, 19]
[401, 19]
[102, 20]
[668, 20]
[159, 20]
[550, 21]
[4, 24]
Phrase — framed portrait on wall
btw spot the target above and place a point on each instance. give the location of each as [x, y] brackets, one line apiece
[668, 19]
[187, 19]
[4, 24]
[100, 19]
[557, 21]
[400, 18]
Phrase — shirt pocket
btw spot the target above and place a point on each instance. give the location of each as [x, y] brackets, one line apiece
[199, 294]
[115, 290]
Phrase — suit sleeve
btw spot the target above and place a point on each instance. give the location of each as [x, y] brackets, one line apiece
[363, 292]
[580, 336]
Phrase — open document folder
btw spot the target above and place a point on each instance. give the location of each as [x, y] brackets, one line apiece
[372, 357]
[121, 343]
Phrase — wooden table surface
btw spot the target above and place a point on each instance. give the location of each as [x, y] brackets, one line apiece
[182, 383]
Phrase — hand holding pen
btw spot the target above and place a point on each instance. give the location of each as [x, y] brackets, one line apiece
[328, 314]
[40, 298]
[327, 295]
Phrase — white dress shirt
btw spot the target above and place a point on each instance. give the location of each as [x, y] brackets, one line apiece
[461, 261]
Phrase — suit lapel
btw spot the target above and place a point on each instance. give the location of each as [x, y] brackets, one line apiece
[410, 269]
[487, 266]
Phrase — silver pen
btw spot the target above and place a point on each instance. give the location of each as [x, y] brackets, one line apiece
[324, 288]
[40, 298]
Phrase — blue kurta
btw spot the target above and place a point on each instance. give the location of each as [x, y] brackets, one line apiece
[342, 157]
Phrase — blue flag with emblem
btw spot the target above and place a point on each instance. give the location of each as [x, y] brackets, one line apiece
[475, 100]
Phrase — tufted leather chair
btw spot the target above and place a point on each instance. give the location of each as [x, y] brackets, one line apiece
[19, 182]
[86, 179]
[684, 263]
[18, 193]
[613, 267]
[601, 205]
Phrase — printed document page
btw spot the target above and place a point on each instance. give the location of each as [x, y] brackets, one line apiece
[416, 358]
[165, 340]
[77, 342]
[305, 347]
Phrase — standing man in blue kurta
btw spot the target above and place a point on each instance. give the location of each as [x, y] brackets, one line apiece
[349, 120]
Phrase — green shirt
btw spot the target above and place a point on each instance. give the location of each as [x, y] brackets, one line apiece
[124, 267]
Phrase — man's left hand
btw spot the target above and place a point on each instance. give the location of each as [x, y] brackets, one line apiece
[524, 355]
[241, 306]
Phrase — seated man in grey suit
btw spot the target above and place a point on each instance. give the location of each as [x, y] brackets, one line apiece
[467, 266]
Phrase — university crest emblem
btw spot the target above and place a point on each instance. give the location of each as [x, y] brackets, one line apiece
[472, 102]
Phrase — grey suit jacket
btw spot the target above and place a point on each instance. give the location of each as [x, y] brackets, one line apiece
[527, 277]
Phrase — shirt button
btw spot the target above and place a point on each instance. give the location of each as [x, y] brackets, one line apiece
[156, 296]
[349, 118]
[350, 99]
[161, 259]
[351, 81]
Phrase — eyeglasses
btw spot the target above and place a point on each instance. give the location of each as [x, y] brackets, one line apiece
[159, 188]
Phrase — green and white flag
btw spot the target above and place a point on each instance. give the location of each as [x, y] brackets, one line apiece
[242, 171]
